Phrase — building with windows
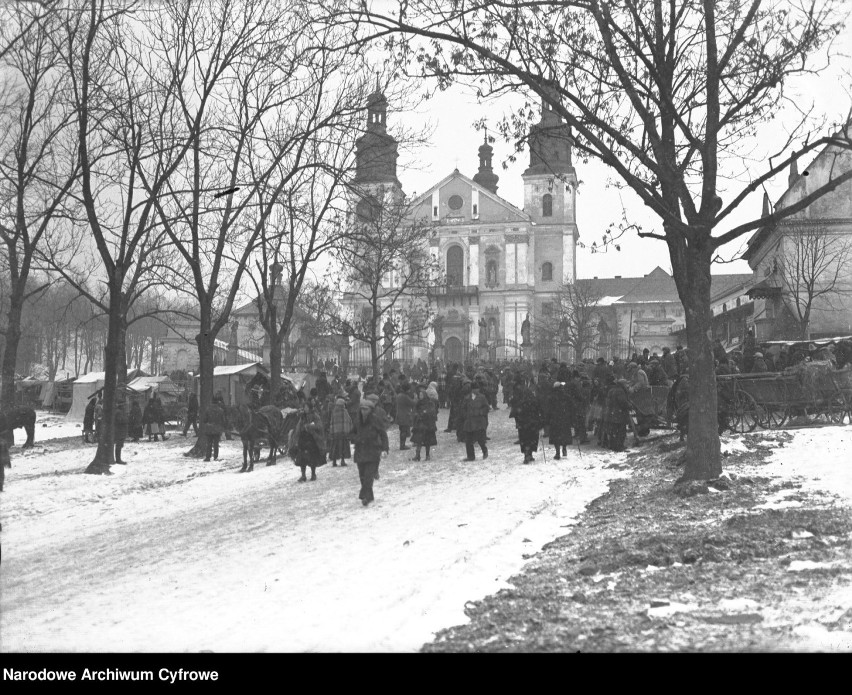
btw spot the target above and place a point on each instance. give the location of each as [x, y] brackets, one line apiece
[501, 262]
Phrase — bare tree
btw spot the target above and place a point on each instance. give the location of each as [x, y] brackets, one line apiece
[389, 274]
[37, 164]
[814, 266]
[577, 315]
[666, 93]
[250, 95]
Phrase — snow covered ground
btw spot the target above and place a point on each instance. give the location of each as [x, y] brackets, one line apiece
[173, 554]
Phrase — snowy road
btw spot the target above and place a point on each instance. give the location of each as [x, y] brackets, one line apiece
[172, 554]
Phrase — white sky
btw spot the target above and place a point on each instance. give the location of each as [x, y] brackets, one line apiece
[454, 143]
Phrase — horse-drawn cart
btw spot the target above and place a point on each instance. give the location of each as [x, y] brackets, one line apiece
[811, 394]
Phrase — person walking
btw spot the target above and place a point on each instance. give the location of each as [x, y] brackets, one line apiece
[474, 413]
[404, 414]
[617, 414]
[340, 425]
[191, 415]
[528, 419]
[158, 414]
[561, 414]
[370, 438]
[214, 425]
[425, 422]
[309, 441]
[89, 420]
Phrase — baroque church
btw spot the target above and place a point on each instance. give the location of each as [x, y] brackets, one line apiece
[502, 264]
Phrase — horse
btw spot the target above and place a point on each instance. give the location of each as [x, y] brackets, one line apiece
[267, 423]
[18, 417]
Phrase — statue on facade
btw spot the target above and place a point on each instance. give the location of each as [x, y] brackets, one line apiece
[483, 333]
[235, 327]
[389, 329]
[525, 331]
[438, 328]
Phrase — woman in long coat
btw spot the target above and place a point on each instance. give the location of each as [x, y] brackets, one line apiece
[339, 427]
[404, 414]
[618, 414]
[309, 442]
[370, 437]
[561, 418]
[89, 420]
[425, 423]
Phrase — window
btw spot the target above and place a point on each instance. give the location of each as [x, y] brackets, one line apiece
[475, 209]
[547, 205]
[455, 266]
[455, 202]
[547, 271]
[435, 211]
[547, 309]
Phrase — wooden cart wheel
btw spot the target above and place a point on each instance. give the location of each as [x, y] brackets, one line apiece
[837, 411]
[746, 414]
[776, 416]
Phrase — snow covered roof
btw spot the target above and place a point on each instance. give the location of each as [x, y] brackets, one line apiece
[162, 384]
[90, 378]
[225, 370]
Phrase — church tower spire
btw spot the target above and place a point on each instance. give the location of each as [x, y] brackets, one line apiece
[376, 151]
[486, 177]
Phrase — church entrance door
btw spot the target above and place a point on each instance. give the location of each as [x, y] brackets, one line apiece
[453, 350]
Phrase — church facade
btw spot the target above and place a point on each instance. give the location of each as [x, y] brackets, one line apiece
[501, 264]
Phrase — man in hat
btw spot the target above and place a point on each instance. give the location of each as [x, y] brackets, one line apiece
[370, 439]
[474, 412]
[617, 414]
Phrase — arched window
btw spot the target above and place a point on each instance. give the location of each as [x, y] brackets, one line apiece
[547, 205]
[547, 271]
[455, 266]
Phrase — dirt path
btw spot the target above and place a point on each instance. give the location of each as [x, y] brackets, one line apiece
[173, 555]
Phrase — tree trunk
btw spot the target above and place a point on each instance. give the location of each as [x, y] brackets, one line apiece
[113, 355]
[10, 352]
[703, 453]
[205, 386]
[274, 366]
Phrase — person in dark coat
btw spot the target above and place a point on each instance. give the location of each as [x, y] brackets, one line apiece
[618, 414]
[89, 420]
[758, 365]
[425, 424]
[474, 413]
[119, 426]
[191, 415]
[579, 391]
[99, 417]
[561, 417]
[149, 419]
[544, 389]
[528, 419]
[134, 423]
[370, 438]
[213, 426]
[669, 364]
[404, 414]
[309, 442]
[340, 424]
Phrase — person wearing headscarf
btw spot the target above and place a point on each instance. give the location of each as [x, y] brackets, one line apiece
[370, 439]
[89, 420]
[617, 414]
[339, 427]
[432, 392]
[309, 441]
[425, 422]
